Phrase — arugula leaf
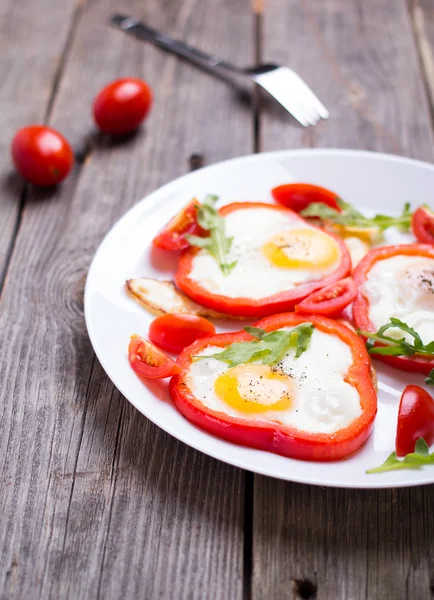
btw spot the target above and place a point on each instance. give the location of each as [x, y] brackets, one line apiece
[414, 460]
[351, 217]
[398, 347]
[430, 379]
[268, 348]
[217, 244]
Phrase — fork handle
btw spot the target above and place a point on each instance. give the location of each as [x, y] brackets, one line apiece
[144, 32]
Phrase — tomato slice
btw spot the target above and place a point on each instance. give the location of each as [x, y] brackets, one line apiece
[298, 196]
[172, 236]
[415, 419]
[148, 361]
[422, 225]
[330, 300]
[173, 332]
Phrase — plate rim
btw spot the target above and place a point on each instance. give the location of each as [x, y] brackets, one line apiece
[150, 199]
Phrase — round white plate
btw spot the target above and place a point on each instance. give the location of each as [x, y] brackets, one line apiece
[373, 182]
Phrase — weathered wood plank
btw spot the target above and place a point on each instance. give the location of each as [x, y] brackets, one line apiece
[95, 500]
[309, 542]
[28, 66]
[422, 13]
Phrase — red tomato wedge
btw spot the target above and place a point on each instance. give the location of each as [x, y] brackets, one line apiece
[148, 361]
[172, 236]
[248, 307]
[298, 196]
[422, 225]
[331, 300]
[415, 419]
[271, 435]
[173, 332]
[361, 318]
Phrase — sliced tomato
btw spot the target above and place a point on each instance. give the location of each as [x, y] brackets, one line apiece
[361, 308]
[298, 196]
[422, 225]
[173, 333]
[272, 435]
[330, 300]
[172, 236]
[248, 307]
[415, 419]
[148, 361]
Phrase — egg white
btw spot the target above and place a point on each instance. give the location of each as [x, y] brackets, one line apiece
[323, 401]
[402, 287]
[253, 276]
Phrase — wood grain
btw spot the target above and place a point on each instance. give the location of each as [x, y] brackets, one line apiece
[96, 502]
[310, 542]
[28, 69]
[422, 13]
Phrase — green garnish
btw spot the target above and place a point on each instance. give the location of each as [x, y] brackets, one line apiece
[414, 460]
[268, 347]
[430, 379]
[217, 244]
[351, 217]
[397, 347]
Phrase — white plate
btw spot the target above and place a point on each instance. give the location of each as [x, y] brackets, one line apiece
[370, 181]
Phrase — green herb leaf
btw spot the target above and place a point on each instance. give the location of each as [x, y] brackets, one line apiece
[268, 348]
[430, 379]
[351, 217]
[398, 347]
[217, 244]
[414, 460]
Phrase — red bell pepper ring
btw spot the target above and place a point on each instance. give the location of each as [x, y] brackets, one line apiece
[148, 361]
[330, 301]
[271, 436]
[419, 364]
[298, 196]
[172, 236]
[247, 307]
[415, 419]
[422, 225]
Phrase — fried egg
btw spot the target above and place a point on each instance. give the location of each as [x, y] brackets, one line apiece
[309, 393]
[402, 287]
[274, 252]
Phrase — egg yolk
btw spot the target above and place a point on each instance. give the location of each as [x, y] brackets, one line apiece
[300, 249]
[254, 388]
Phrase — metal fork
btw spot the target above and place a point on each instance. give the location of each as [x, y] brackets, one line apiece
[282, 83]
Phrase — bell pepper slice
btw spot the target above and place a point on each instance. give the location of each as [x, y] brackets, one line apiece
[172, 236]
[361, 318]
[298, 196]
[248, 307]
[331, 300]
[415, 419]
[270, 435]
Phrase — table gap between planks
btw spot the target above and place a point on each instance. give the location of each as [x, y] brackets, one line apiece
[95, 500]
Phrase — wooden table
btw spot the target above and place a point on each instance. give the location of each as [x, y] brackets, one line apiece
[96, 501]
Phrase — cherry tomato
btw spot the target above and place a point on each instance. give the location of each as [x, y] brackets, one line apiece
[122, 105]
[415, 419]
[148, 361]
[298, 196]
[422, 225]
[173, 333]
[330, 300]
[172, 236]
[41, 155]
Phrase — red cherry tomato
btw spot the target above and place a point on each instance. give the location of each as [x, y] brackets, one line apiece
[330, 300]
[422, 225]
[148, 361]
[41, 155]
[172, 236]
[415, 419]
[122, 105]
[173, 333]
[298, 196]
